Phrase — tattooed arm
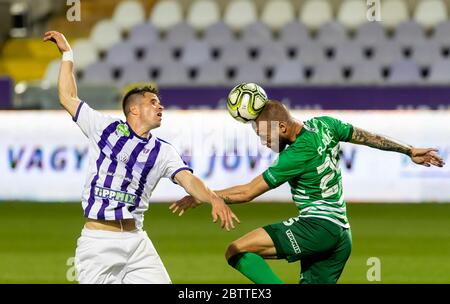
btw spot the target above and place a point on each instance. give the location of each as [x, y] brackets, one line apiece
[362, 137]
[420, 156]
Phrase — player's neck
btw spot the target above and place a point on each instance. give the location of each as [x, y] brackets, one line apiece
[297, 126]
[139, 129]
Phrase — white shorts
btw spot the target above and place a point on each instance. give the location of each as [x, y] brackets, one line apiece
[104, 257]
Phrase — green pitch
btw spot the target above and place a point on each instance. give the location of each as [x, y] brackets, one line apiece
[411, 241]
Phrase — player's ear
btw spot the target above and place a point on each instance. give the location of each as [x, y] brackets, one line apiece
[134, 109]
[282, 126]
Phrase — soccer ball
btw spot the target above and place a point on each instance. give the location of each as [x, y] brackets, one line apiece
[246, 101]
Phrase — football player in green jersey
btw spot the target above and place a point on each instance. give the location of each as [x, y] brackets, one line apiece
[320, 235]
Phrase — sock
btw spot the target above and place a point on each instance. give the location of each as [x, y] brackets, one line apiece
[254, 267]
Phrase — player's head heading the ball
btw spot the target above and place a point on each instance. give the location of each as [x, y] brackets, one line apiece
[274, 126]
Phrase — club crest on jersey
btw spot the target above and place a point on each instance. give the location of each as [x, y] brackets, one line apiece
[123, 157]
[122, 129]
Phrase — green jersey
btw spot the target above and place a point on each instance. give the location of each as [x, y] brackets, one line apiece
[311, 167]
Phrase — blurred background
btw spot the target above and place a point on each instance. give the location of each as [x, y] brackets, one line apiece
[381, 65]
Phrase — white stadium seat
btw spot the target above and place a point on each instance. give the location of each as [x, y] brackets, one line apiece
[165, 14]
[105, 34]
[202, 14]
[430, 13]
[393, 12]
[240, 13]
[277, 13]
[352, 13]
[52, 73]
[84, 53]
[315, 13]
[128, 14]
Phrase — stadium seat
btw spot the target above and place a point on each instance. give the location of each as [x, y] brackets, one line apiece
[430, 13]
[256, 34]
[158, 53]
[211, 74]
[233, 54]
[134, 72]
[352, 13]
[327, 74]
[84, 53]
[196, 53]
[277, 13]
[179, 34]
[288, 73]
[98, 73]
[202, 14]
[315, 13]
[250, 72]
[172, 75]
[427, 53]
[218, 34]
[370, 34]
[441, 33]
[166, 14]
[240, 13]
[404, 72]
[311, 54]
[393, 12]
[271, 54]
[128, 14]
[365, 73]
[409, 33]
[143, 35]
[387, 53]
[105, 34]
[52, 73]
[331, 34]
[349, 53]
[440, 73]
[120, 54]
[294, 34]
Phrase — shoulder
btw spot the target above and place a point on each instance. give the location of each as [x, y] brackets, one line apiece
[166, 147]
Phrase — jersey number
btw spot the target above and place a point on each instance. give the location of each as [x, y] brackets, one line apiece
[332, 164]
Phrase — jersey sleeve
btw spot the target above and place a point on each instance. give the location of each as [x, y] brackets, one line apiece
[342, 130]
[289, 164]
[91, 121]
[173, 163]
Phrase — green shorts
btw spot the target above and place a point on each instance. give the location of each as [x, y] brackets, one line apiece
[322, 247]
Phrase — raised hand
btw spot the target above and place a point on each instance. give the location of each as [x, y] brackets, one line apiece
[58, 39]
[426, 157]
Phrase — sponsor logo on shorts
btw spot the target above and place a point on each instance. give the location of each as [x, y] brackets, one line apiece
[119, 196]
[293, 241]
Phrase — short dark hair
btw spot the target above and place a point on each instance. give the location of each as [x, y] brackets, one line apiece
[129, 96]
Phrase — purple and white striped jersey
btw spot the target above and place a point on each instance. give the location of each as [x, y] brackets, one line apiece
[124, 168]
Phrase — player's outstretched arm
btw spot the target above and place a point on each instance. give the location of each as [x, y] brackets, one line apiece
[200, 192]
[244, 193]
[233, 195]
[422, 156]
[67, 88]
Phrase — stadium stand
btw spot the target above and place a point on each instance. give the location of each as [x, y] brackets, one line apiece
[179, 42]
